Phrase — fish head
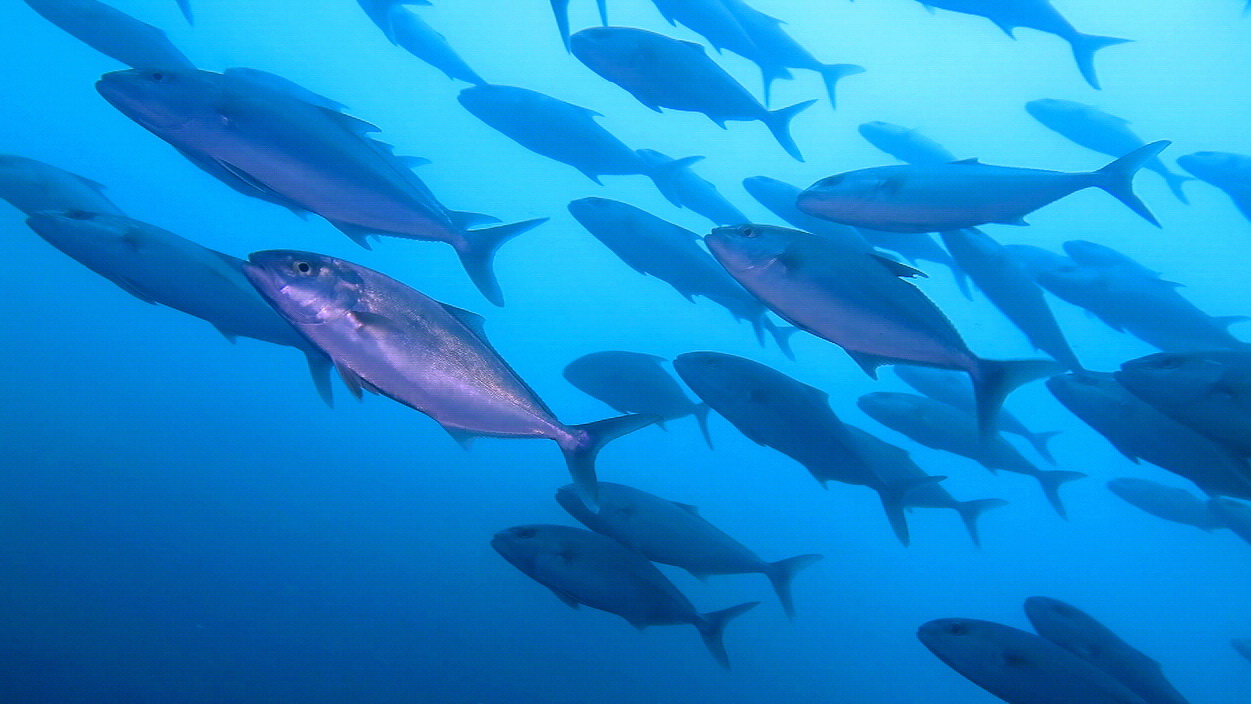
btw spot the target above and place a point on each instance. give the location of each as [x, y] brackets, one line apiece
[966, 644]
[491, 99]
[1061, 623]
[1055, 272]
[878, 130]
[718, 378]
[845, 195]
[603, 41]
[1131, 487]
[304, 287]
[1095, 254]
[742, 248]
[595, 209]
[524, 546]
[1221, 169]
[1094, 391]
[888, 406]
[1175, 377]
[164, 99]
[82, 232]
[1051, 109]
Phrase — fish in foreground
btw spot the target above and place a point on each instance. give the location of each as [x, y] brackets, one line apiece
[632, 382]
[1080, 634]
[908, 146]
[662, 72]
[1209, 392]
[581, 567]
[275, 145]
[860, 302]
[156, 266]
[963, 194]
[113, 33]
[32, 186]
[1167, 502]
[1229, 172]
[675, 534]
[1020, 667]
[389, 339]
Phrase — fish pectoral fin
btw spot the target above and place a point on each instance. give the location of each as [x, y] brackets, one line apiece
[563, 596]
[132, 288]
[230, 336]
[899, 269]
[413, 162]
[967, 161]
[366, 320]
[686, 507]
[353, 381]
[1018, 221]
[868, 362]
[476, 323]
[464, 438]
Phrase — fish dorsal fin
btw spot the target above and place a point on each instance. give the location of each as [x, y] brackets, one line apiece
[686, 507]
[232, 261]
[274, 82]
[693, 46]
[355, 125]
[413, 162]
[564, 596]
[230, 336]
[476, 323]
[898, 268]
[966, 161]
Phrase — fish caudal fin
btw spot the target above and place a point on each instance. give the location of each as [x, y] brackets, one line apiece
[832, 73]
[1039, 442]
[781, 336]
[1051, 481]
[580, 455]
[1084, 48]
[701, 416]
[1117, 178]
[1175, 182]
[712, 625]
[970, 511]
[994, 380]
[768, 74]
[478, 251]
[560, 8]
[779, 123]
[781, 573]
[319, 366]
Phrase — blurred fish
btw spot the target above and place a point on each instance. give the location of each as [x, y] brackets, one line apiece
[908, 146]
[713, 20]
[686, 189]
[1168, 502]
[669, 73]
[675, 534]
[389, 339]
[1235, 515]
[1209, 392]
[776, 411]
[32, 186]
[157, 266]
[1020, 667]
[1140, 432]
[1039, 15]
[1012, 290]
[563, 132]
[581, 567]
[655, 247]
[112, 33]
[962, 194]
[1229, 172]
[277, 146]
[860, 302]
[631, 382]
[409, 31]
[1242, 645]
[1075, 631]
[1095, 129]
[185, 6]
[560, 8]
[954, 389]
[936, 425]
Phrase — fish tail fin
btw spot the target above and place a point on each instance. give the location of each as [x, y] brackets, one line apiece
[894, 501]
[665, 174]
[319, 366]
[1039, 442]
[701, 417]
[1117, 178]
[603, 11]
[962, 279]
[779, 123]
[995, 379]
[1051, 481]
[1175, 181]
[970, 511]
[782, 337]
[781, 573]
[1084, 48]
[185, 6]
[712, 626]
[478, 252]
[768, 74]
[560, 8]
[580, 454]
[832, 73]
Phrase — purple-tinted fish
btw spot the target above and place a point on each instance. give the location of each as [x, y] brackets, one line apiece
[390, 339]
[112, 33]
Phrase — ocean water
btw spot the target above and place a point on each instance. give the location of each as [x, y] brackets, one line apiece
[182, 520]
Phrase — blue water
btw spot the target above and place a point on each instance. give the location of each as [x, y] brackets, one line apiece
[182, 520]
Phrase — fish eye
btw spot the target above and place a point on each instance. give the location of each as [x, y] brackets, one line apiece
[749, 232]
[1084, 380]
[159, 77]
[78, 215]
[302, 267]
[1171, 362]
[832, 181]
[524, 532]
[958, 629]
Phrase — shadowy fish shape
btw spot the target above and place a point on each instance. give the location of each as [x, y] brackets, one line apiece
[156, 266]
[686, 189]
[185, 7]
[32, 186]
[560, 8]
[408, 30]
[1234, 515]
[1242, 645]
[662, 72]
[277, 146]
[581, 567]
[1229, 172]
[675, 534]
[113, 33]
[908, 146]
[389, 339]
[1167, 502]
[962, 194]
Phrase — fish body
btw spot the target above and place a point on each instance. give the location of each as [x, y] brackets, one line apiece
[687, 189]
[33, 186]
[908, 146]
[1229, 172]
[1208, 391]
[631, 382]
[1167, 502]
[113, 33]
[412, 33]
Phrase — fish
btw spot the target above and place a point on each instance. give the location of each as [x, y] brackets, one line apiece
[906, 145]
[32, 186]
[1208, 391]
[632, 382]
[658, 248]
[1168, 502]
[686, 189]
[1229, 172]
[581, 567]
[860, 302]
[113, 33]
[159, 267]
[1039, 15]
[661, 72]
[713, 20]
[387, 338]
[1090, 127]
[185, 7]
[560, 8]
[277, 146]
[1243, 646]
[675, 534]
[1012, 290]
[1141, 432]
[962, 194]
[1235, 515]
[894, 466]
[409, 31]
[563, 132]
[1080, 634]
[936, 425]
[782, 413]
[1020, 667]
[953, 389]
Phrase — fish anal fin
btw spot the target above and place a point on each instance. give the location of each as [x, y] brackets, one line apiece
[564, 597]
[868, 362]
[464, 438]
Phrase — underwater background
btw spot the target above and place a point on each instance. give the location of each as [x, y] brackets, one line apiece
[183, 520]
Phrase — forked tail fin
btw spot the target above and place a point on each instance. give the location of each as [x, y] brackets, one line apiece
[970, 511]
[1084, 48]
[1117, 178]
[781, 573]
[779, 123]
[580, 455]
[994, 380]
[478, 252]
[712, 626]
